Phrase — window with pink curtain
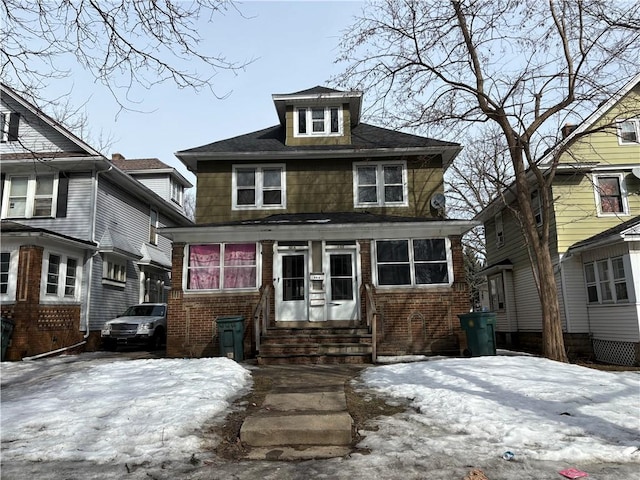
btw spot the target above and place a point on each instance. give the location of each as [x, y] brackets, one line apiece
[238, 264]
[204, 267]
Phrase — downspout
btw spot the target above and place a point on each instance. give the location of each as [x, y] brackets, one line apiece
[93, 239]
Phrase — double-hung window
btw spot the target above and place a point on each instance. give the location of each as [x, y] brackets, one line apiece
[321, 121]
[606, 281]
[496, 292]
[629, 131]
[222, 266]
[499, 229]
[114, 270]
[176, 192]
[153, 226]
[415, 262]
[536, 206]
[611, 195]
[380, 184]
[258, 187]
[30, 196]
[61, 277]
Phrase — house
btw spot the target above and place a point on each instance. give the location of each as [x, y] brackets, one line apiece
[325, 234]
[79, 234]
[594, 242]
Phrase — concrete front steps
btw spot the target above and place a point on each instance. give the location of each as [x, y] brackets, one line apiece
[304, 416]
[315, 343]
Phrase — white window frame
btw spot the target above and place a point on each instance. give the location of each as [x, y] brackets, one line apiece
[380, 201]
[154, 219]
[536, 206]
[499, 229]
[635, 122]
[177, 191]
[326, 131]
[496, 293]
[60, 296]
[412, 263]
[606, 287]
[259, 187]
[12, 276]
[623, 194]
[114, 270]
[186, 267]
[30, 196]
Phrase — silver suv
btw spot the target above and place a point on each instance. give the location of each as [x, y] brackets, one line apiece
[142, 324]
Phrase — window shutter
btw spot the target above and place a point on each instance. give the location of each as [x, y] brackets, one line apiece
[14, 121]
[63, 194]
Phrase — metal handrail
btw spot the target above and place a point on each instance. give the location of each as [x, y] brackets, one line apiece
[372, 320]
[261, 314]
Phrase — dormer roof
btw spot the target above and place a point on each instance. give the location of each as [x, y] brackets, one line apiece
[318, 96]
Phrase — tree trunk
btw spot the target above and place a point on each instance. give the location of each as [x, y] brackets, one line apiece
[552, 336]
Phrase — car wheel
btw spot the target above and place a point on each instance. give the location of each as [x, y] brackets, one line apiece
[156, 340]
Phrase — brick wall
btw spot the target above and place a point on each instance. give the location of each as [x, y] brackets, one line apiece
[38, 328]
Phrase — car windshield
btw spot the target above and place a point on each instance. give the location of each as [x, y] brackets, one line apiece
[144, 311]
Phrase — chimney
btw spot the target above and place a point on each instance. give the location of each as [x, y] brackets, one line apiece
[116, 157]
[567, 129]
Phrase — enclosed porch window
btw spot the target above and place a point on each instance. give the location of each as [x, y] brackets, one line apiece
[222, 266]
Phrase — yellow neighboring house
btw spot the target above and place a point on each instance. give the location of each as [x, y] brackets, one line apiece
[595, 242]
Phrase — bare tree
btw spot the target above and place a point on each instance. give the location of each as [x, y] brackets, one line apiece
[122, 44]
[190, 204]
[525, 66]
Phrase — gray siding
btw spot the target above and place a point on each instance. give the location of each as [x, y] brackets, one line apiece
[35, 135]
[159, 184]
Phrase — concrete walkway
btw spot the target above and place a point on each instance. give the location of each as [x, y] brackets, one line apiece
[303, 416]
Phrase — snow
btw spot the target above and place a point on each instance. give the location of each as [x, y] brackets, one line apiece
[102, 410]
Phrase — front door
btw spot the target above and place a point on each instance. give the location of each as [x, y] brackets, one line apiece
[342, 285]
[291, 286]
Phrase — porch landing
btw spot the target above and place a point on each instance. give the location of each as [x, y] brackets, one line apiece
[332, 342]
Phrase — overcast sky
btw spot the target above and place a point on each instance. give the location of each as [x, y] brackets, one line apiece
[294, 45]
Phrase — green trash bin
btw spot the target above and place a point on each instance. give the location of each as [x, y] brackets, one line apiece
[230, 336]
[480, 328]
[5, 335]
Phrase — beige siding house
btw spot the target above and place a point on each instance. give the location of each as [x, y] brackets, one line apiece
[594, 241]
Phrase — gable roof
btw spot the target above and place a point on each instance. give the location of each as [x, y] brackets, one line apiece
[367, 140]
[83, 146]
[625, 231]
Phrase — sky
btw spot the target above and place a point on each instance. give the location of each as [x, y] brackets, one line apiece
[92, 415]
[293, 46]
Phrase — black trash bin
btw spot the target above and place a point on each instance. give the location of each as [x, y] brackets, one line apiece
[5, 336]
[230, 336]
[480, 328]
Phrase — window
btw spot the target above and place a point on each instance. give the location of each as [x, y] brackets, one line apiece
[610, 194]
[258, 186]
[153, 227]
[114, 270]
[629, 131]
[10, 123]
[5, 265]
[499, 230]
[30, 196]
[606, 281]
[496, 293]
[222, 266]
[321, 121]
[536, 205]
[61, 278]
[380, 184]
[413, 262]
[176, 192]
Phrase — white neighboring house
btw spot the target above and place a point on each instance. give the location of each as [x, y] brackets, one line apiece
[79, 233]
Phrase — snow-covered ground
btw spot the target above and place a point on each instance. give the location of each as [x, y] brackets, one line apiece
[92, 415]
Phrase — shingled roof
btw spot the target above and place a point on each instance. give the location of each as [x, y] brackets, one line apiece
[139, 164]
[272, 139]
[611, 234]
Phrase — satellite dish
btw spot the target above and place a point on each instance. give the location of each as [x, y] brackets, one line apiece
[437, 201]
[636, 172]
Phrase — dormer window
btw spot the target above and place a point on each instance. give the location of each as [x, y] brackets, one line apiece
[321, 121]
